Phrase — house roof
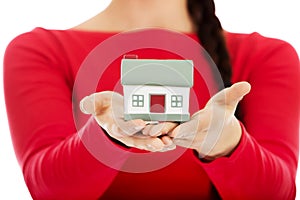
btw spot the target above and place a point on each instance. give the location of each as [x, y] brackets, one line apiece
[177, 73]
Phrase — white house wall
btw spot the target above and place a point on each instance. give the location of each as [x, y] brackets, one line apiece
[145, 90]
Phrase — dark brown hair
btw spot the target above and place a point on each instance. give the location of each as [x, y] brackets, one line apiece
[210, 34]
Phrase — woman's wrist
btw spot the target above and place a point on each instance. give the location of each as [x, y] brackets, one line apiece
[226, 145]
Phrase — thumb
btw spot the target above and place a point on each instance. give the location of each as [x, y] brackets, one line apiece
[87, 104]
[232, 95]
[95, 103]
[237, 91]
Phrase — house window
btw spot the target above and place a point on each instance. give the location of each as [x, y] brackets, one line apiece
[176, 101]
[137, 100]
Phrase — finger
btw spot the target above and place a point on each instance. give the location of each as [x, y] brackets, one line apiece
[236, 92]
[149, 125]
[149, 143]
[169, 144]
[87, 105]
[187, 129]
[232, 95]
[180, 142]
[167, 140]
[128, 128]
[159, 129]
[168, 148]
[98, 102]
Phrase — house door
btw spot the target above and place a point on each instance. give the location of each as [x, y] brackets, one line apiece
[157, 103]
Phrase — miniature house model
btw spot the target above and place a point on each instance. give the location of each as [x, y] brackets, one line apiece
[156, 90]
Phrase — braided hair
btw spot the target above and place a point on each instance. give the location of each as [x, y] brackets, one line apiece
[210, 33]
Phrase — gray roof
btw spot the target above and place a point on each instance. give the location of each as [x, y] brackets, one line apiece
[157, 72]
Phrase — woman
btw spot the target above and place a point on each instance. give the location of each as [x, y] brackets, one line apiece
[255, 157]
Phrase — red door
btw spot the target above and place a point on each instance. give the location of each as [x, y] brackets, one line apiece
[157, 103]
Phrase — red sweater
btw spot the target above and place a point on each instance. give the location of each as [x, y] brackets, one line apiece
[39, 72]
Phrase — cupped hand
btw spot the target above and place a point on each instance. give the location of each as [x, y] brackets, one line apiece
[107, 109]
[214, 131]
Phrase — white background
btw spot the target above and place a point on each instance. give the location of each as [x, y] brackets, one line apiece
[273, 18]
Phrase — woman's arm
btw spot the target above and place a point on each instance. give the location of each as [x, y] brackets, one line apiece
[38, 93]
[255, 158]
[264, 163]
